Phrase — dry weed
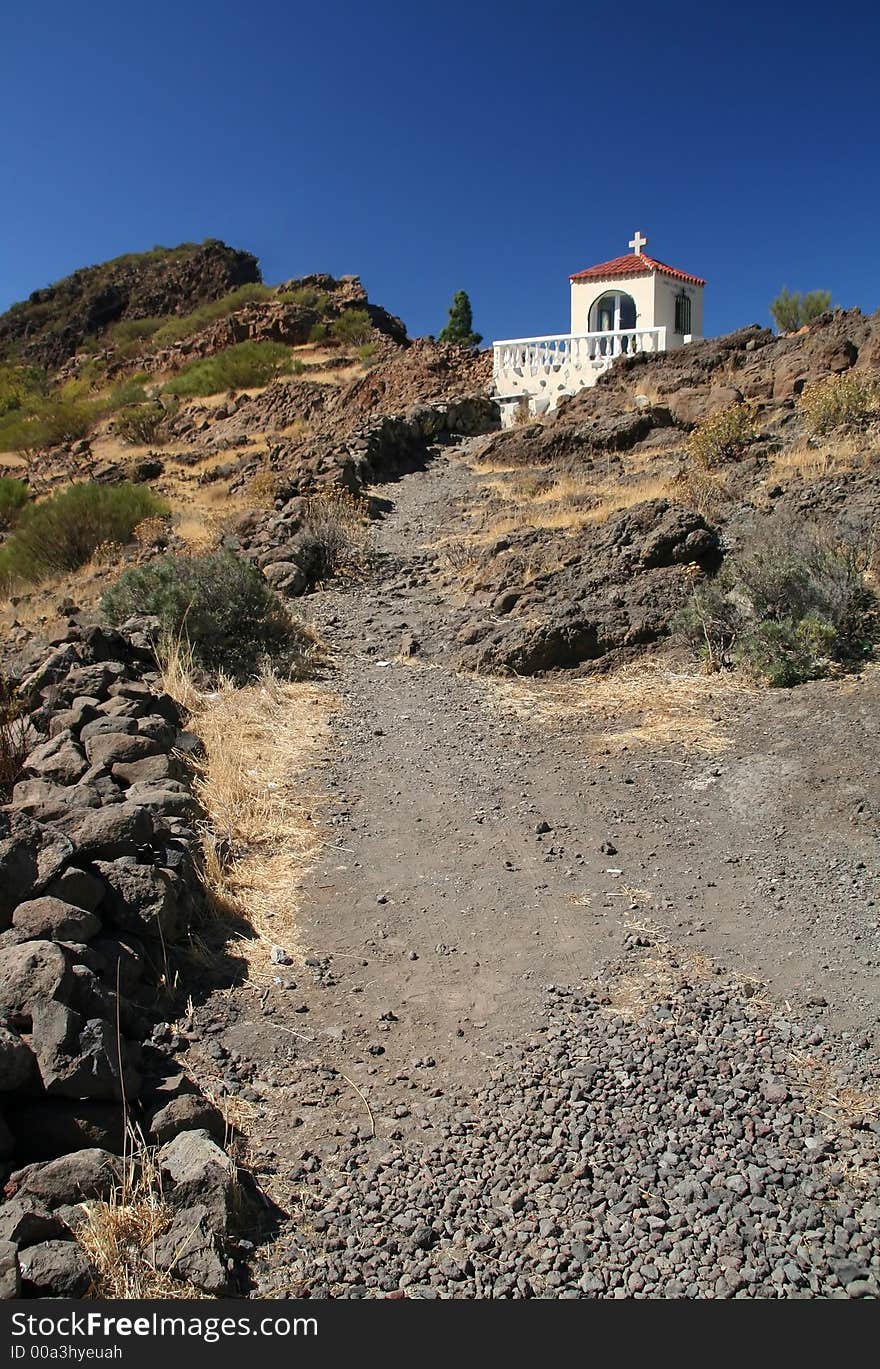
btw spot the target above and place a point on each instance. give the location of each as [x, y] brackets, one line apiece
[815, 463]
[259, 741]
[119, 1236]
[643, 705]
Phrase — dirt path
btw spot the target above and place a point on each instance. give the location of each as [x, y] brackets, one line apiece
[482, 845]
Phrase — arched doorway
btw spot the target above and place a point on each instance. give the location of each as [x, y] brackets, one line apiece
[612, 312]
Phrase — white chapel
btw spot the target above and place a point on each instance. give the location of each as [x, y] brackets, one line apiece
[630, 304]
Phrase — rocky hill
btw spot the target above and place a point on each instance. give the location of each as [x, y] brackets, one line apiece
[49, 327]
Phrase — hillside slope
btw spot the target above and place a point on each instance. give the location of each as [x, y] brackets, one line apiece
[49, 327]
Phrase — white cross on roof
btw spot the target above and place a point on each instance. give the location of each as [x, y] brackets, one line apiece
[638, 242]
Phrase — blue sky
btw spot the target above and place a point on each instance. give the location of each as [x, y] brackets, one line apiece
[485, 146]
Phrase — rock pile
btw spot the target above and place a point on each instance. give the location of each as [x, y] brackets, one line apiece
[98, 885]
[669, 1151]
[615, 587]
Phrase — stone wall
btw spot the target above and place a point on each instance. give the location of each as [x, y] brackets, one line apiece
[99, 890]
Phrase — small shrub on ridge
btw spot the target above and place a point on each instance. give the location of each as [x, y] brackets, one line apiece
[62, 533]
[14, 495]
[789, 609]
[722, 436]
[847, 400]
[220, 605]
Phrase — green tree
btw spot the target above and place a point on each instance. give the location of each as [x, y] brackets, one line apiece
[792, 311]
[460, 327]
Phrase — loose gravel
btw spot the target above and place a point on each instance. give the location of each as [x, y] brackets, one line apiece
[665, 1134]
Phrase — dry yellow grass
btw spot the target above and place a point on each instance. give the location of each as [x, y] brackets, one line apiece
[614, 498]
[259, 742]
[120, 1233]
[814, 463]
[644, 705]
[571, 501]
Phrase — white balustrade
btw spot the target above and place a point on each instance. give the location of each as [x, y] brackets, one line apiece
[565, 362]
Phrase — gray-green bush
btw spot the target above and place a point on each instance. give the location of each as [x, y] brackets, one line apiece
[789, 608]
[221, 606]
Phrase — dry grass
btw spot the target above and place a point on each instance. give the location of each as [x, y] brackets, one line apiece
[840, 1103]
[815, 463]
[339, 525]
[643, 705]
[259, 741]
[631, 994]
[14, 743]
[573, 500]
[705, 491]
[120, 1233]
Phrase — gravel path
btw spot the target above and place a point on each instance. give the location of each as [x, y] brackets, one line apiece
[710, 1130]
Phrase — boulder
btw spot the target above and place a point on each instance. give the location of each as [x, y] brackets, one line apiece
[191, 1250]
[81, 1059]
[189, 1112]
[151, 770]
[17, 1064]
[51, 919]
[31, 976]
[118, 748]
[202, 1174]
[171, 799]
[77, 887]
[60, 760]
[142, 899]
[106, 726]
[54, 1269]
[10, 1275]
[26, 1221]
[91, 1173]
[119, 829]
[53, 803]
[71, 719]
[30, 857]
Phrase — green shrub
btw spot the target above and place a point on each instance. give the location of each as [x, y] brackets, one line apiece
[142, 424]
[19, 385]
[319, 332]
[787, 652]
[129, 391]
[367, 350]
[848, 400]
[791, 311]
[237, 368]
[133, 330]
[790, 608]
[220, 605]
[353, 326]
[722, 436]
[61, 533]
[174, 329]
[46, 422]
[14, 494]
[306, 297]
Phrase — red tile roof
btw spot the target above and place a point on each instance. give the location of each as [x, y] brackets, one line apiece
[632, 265]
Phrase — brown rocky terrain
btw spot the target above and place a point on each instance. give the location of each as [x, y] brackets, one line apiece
[49, 327]
[522, 957]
